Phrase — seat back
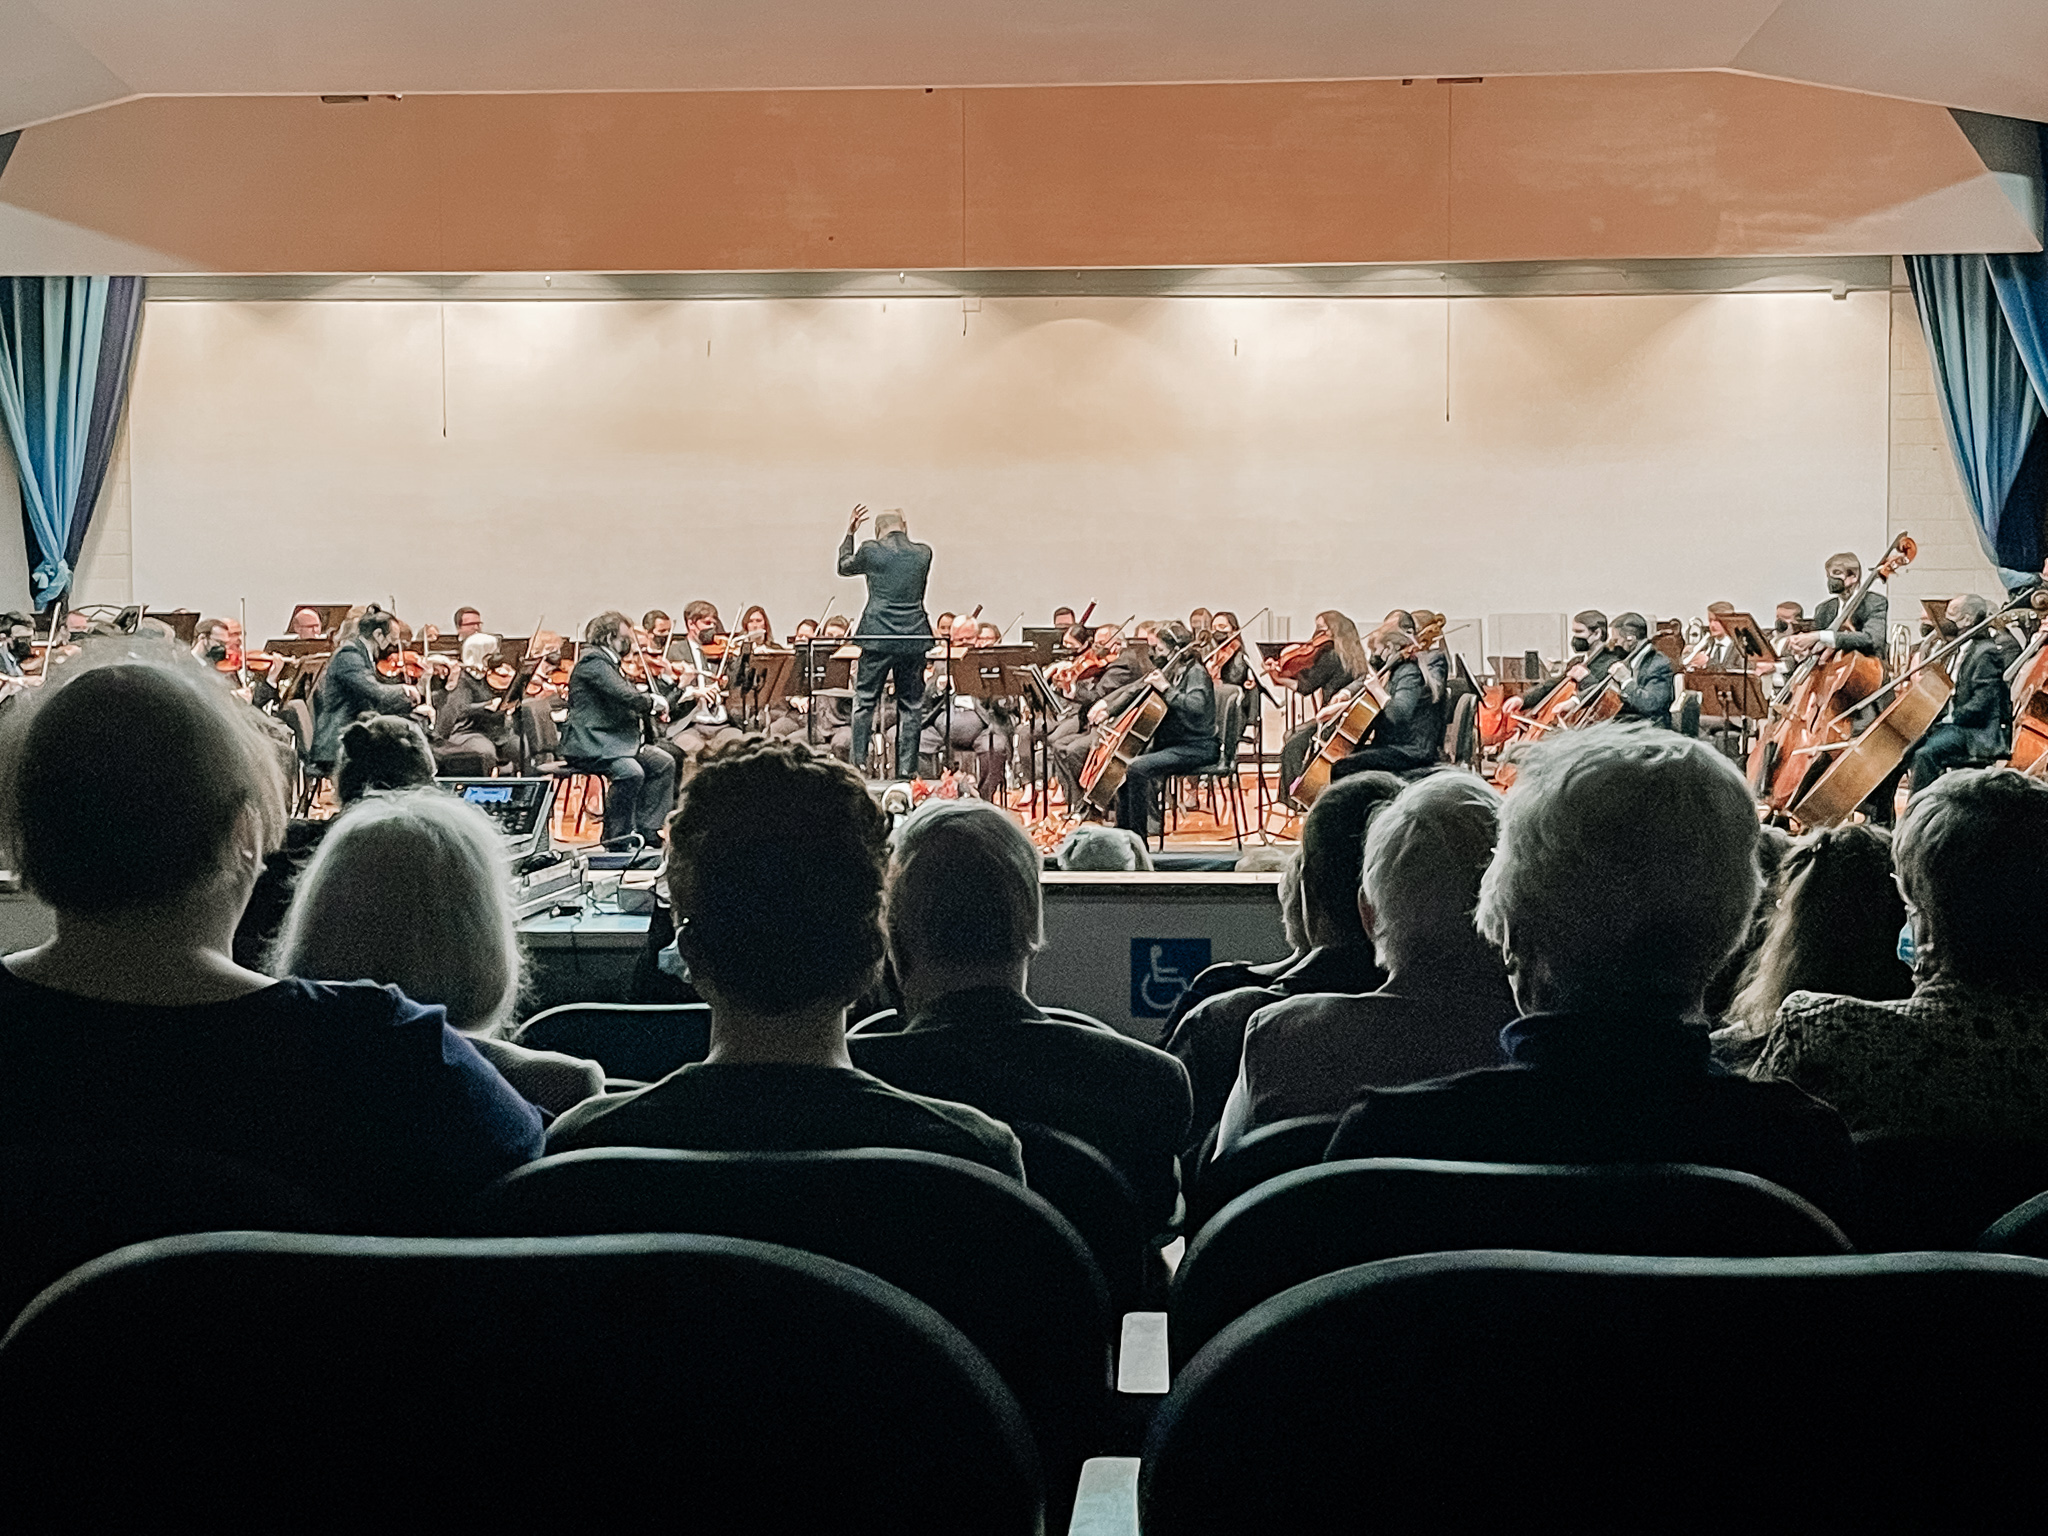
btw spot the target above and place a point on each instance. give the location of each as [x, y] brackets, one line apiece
[1265, 1153]
[1335, 1215]
[989, 1256]
[1230, 727]
[1687, 716]
[63, 1205]
[1926, 1192]
[641, 1041]
[1461, 732]
[257, 1380]
[2022, 1230]
[1574, 1391]
[1081, 1183]
[298, 715]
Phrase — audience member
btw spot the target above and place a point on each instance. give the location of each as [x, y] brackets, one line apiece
[1447, 995]
[1228, 975]
[963, 917]
[775, 877]
[1210, 1038]
[1835, 928]
[414, 890]
[380, 752]
[1109, 850]
[1967, 1053]
[135, 1024]
[1625, 873]
[1772, 845]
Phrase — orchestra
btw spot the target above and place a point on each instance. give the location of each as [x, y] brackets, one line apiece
[1816, 707]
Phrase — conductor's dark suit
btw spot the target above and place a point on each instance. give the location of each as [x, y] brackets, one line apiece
[894, 634]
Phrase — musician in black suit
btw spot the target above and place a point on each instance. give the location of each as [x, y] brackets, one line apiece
[1184, 740]
[1644, 679]
[894, 631]
[1074, 735]
[1408, 732]
[349, 686]
[1864, 630]
[1973, 726]
[604, 734]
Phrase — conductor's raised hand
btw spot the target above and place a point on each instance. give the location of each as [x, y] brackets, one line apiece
[858, 516]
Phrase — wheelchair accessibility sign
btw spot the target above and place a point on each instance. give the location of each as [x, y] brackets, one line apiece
[1162, 969]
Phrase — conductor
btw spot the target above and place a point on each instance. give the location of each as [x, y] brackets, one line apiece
[894, 632]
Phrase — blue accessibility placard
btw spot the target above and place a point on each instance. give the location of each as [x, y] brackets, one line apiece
[1162, 969]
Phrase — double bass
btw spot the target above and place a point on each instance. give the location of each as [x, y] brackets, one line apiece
[1812, 716]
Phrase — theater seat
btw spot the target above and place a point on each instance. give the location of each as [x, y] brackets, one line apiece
[1083, 1185]
[641, 1041]
[259, 1381]
[1329, 1217]
[1924, 1192]
[1265, 1153]
[990, 1257]
[1477, 1390]
[2022, 1230]
[62, 1205]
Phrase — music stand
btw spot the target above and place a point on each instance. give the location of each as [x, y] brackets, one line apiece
[993, 672]
[1751, 636]
[301, 648]
[182, 622]
[1044, 641]
[763, 681]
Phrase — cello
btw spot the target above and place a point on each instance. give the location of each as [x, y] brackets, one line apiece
[1865, 763]
[1128, 737]
[1812, 717]
[2028, 679]
[1347, 729]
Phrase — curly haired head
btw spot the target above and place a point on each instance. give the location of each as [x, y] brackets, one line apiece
[776, 859]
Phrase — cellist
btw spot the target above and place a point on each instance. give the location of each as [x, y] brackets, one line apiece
[1408, 732]
[1863, 631]
[1973, 724]
[1111, 664]
[1185, 739]
[1591, 657]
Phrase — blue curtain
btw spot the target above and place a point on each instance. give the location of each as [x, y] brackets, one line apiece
[66, 345]
[1988, 402]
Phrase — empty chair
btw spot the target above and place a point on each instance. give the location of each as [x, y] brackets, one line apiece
[1259, 1155]
[266, 1380]
[2023, 1230]
[1083, 1185]
[1941, 1191]
[1543, 1390]
[63, 1205]
[989, 1256]
[641, 1041]
[1335, 1215]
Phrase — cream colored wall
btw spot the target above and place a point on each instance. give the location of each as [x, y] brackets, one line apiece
[106, 569]
[1653, 451]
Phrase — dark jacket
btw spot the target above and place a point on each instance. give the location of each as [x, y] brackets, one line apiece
[1411, 721]
[993, 1049]
[470, 704]
[1649, 695]
[1325, 678]
[1190, 708]
[1580, 1088]
[1981, 706]
[1209, 1039]
[1867, 629]
[1598, 664]
[349, 685]
[896, 570]
[605, 710]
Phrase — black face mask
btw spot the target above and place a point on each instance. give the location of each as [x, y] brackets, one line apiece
[216, 651]
[1582, 644]
[23, 646]
[1837, 585]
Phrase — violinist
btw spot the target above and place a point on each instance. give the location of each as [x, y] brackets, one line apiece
[657, 627]
[306, 625]
[603, 734]
[1200, 622]
[471, 735]
[806, 631]
[211, 642]
[349, 685]
[1342, 661]
[1063, 618]
[757, 637]
[956, 723]
[1408, 732]
[698, 702]
[1974, 725]
[1863, 631]
[1644, 678]
[1236, 670]
[1185, 739]
[468, 621]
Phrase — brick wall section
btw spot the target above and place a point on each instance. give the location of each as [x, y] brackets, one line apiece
[1926, 496]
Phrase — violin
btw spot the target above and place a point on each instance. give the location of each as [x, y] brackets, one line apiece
[1298, 658]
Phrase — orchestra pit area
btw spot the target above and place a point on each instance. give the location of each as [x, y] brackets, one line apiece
[1069, 770]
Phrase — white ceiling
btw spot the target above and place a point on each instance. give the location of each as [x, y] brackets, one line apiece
[64, 56]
